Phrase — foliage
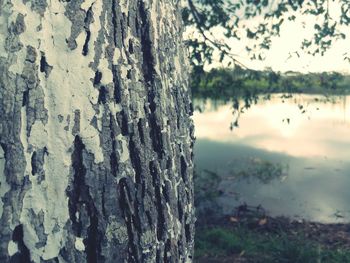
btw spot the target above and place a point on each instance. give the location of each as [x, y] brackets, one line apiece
[257, 246]
[259, 21]
[226, 83]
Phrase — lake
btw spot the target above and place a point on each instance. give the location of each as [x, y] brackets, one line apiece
[289, 155]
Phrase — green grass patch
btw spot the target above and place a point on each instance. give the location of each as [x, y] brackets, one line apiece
[265, 247]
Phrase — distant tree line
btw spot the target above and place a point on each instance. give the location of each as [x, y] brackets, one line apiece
[239, 82]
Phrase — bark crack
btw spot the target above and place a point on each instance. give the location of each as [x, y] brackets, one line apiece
[146, 46]
[113, 155]
[158, 200]
[117, 85]
[126, 200]
[154, 129]
[44, 66]
[81, 205]
[23, 255]
[102, 95]
[114, 22]
[87, 21]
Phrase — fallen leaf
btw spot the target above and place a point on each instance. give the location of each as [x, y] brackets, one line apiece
[283, 178]
[233, 219]
[262, 221]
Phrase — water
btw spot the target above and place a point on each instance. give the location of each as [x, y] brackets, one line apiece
[292, 156]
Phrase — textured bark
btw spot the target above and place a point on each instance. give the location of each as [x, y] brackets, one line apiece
[95, 132]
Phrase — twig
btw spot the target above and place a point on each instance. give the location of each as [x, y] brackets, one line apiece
[217, 44]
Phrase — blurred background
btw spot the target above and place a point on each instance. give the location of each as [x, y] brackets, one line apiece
[270, 85]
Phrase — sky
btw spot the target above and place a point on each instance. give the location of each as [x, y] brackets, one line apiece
[291, 37]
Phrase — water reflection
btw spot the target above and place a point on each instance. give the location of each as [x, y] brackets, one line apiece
[314, 144]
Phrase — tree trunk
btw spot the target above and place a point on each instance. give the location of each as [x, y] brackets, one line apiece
[95, 132]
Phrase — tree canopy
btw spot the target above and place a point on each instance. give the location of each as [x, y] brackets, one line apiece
[331, 17]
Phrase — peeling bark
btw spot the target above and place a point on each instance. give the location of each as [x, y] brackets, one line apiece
[95, 132]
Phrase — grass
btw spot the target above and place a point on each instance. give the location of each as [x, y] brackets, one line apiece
[262, 247]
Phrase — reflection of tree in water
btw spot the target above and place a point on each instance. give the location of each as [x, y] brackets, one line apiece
[244, 104]
[257, 169]
[243, 88]
[206, 191]
[241, 105]
[207, 183]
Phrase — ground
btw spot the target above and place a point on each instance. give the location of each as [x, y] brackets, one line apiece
[252, 236]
